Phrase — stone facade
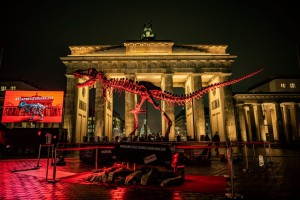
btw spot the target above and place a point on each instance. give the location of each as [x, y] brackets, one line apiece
[268, 117]
[270, 111]
[163, 63]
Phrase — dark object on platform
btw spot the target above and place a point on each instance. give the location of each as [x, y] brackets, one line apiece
[151, 176]
[173, 181]
[3, 127]
[60, 161]
[114, 176]
[151, 156]
[155, 154]
[222, 157]
[104, 155]
[91, 139]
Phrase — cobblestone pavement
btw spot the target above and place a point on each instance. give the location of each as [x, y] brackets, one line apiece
[277, 179]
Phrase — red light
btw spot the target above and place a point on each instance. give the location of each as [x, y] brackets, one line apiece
[174, 159]
[39, 132]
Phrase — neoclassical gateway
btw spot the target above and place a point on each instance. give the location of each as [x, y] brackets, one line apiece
[165, 64]
[161, 62]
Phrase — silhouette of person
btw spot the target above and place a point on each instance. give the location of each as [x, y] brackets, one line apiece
[216, 140]
[207, 138]
[206, 153]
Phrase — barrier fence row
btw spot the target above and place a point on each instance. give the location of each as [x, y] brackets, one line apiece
[199, 145]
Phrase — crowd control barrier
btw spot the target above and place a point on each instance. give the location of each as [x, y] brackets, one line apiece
[168, 155]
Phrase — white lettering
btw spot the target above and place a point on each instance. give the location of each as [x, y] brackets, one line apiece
[33, 98]
[143, 147]
[150, 159]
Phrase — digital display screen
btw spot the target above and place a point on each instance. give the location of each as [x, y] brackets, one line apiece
[32, 106]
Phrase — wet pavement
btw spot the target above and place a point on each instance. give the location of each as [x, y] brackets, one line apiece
[278, 178]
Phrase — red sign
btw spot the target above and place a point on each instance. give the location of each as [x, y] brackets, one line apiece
[32, 106]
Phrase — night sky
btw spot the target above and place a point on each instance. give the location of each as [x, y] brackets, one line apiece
[35, 34]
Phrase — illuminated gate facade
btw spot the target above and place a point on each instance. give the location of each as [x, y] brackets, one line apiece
[166, 65]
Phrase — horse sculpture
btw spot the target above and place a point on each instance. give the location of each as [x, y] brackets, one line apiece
[148, 91]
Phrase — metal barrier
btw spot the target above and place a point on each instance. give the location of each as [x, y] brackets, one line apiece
[193, 146]
[230, 166]
[48, 155]
[85, 148]
[266, 155]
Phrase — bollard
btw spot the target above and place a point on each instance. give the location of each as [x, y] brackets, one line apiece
[48, 154]
[96, 159]
[253, 151]
[270, 154]
[232, 194]
[246, 158]
[265, 150]
[229, 158]
[261, 161]
[127, 165]
[54, 180]
[39, 156]
[52, 154]
[54, 168]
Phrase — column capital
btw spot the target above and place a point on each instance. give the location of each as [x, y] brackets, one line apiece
[70, 76]
[130, 75]
[240, 105]
[277, 103]
[196, 74]
[167, 74]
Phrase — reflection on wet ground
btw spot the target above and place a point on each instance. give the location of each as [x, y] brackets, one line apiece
[277, 179]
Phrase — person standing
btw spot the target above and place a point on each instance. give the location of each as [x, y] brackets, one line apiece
[207, 138]
[216, 140]
[206, 153]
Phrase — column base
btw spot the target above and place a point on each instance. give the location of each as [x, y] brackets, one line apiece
[233, 196]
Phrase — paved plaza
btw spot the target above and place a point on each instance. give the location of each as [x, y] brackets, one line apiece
[277, 179]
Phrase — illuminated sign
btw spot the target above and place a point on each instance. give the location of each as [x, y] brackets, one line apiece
[32, 106]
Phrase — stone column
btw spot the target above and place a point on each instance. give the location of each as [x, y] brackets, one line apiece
[242, 122]
[269, 125]
[297, 115]
[286, 123]
[261, 133]
[167, 85]
[229, 119]
[99, 111]
[295, 121]
[252, 126]
[297, 108]
[108, 115]
[248, 121]
[198, 109]
[279, 123]
[71, 97]
[129, 105]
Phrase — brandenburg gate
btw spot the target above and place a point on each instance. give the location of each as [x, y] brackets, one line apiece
[161, 62]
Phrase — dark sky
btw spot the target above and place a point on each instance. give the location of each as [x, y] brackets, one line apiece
[35, 34]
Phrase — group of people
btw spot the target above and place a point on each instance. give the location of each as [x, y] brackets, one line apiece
[153, 137]
[215, 139]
